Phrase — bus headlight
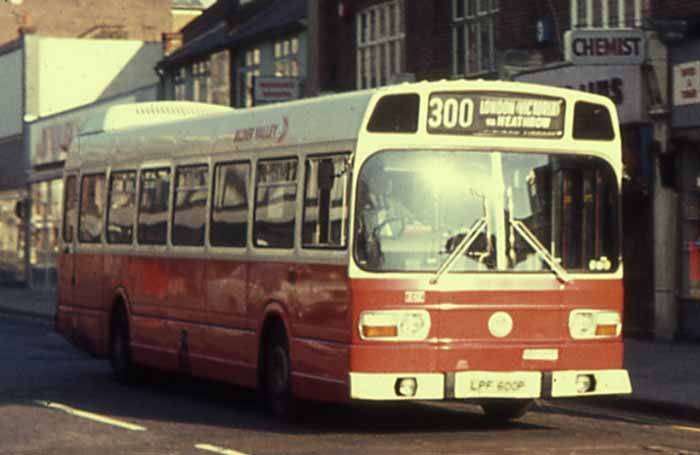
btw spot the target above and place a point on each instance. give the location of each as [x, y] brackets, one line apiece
[395, 325]
[590, 324]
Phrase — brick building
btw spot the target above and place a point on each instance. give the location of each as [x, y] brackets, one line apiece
[142, 20]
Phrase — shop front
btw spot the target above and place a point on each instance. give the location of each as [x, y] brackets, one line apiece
[685, 123]
[12, 236]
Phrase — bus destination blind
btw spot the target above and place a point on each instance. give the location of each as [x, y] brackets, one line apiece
[503, 115]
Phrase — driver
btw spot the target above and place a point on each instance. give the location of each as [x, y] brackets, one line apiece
[382, 210]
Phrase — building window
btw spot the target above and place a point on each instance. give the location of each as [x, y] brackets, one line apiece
[246, 75]
[200, 81]
[606, 13]
[219, 78]
[287, 57]
[473, 25]
[380, 44]
[180, 84]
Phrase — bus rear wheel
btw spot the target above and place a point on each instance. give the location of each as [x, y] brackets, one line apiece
[120, 350]
[505, 410]
[277, 375]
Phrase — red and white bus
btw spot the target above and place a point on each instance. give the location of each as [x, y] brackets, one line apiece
[429, 241]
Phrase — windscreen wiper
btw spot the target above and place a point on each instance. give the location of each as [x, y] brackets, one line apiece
[543, 253]
[463, 246]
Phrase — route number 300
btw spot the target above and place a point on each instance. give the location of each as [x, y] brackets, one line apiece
[450, 112]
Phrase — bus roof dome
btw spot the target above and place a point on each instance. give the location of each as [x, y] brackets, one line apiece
[141, 114]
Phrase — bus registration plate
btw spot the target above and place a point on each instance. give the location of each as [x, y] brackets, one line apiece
[488, 384]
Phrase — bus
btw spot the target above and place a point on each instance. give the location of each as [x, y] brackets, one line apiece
[447, 240]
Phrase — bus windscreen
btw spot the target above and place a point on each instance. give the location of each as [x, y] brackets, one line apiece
[415, 208]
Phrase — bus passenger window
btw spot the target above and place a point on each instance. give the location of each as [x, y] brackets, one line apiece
[92, 195]
[275, 203]
[153, 207]
[190, 212]
[70, 208]
[229, 217]
[122, 206]
[325, 202]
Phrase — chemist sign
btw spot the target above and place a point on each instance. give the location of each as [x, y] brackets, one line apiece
[605, 47]
[686, 83]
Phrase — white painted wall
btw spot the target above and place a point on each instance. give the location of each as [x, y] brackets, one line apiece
[11, 94]
[74, 72]
[50, 137]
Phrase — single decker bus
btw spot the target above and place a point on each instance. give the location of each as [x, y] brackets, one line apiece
[448, 240]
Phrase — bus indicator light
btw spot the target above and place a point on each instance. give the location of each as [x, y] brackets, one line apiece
[380, 331]
[606, 330]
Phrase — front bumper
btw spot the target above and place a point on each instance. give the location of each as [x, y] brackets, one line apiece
[489, 384]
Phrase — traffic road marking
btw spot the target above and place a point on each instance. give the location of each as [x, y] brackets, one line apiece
[91, 416]
[215, 449]
[693, 429]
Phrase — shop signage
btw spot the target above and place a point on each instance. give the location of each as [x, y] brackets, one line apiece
[276, 89]
[621, 83]
[605, 47]
[686, 83]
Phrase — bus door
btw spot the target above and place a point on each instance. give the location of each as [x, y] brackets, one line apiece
[66, 259]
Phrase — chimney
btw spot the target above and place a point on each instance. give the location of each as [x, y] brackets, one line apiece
[26, 24]
[171, 42]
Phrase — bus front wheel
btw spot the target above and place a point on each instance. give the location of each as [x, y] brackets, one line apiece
[120, 350]
[504, 410]
[278, 374]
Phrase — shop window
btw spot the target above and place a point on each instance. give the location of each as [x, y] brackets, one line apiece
[473, 36]
[122, 207]
[70, 209]
[380, 44]
[153, 207]
[275, 203]
[326, 202]
[91, 208]
[189, 213]
[229, 218]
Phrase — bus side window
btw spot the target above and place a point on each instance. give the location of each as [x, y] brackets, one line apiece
[121, 207]
[325, 202]
[275, 203]
[153, 207]
[92, 197]
[229, 217]
[69, 209]
[190, 211]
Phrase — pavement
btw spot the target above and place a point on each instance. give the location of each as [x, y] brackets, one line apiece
[665, 375]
